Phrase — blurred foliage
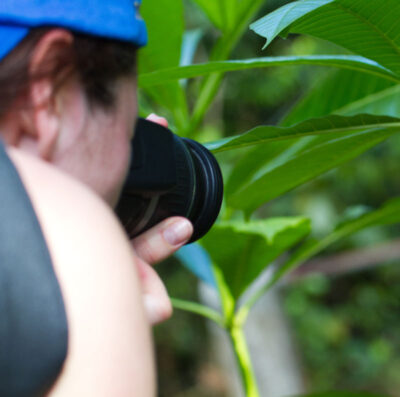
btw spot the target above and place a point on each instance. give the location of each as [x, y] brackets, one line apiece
[347, 330]
[181, 344]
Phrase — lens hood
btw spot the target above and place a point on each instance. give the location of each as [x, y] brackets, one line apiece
[209, 189]
[169, 176]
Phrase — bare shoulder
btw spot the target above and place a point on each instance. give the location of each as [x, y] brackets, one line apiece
[57, 190]
[110, 350]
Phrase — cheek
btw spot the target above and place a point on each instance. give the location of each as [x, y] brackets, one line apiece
[118, 168]
[124, 122]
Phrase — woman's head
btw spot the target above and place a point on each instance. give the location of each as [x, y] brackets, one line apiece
[97, 62]
[71, 100]
[67, 85]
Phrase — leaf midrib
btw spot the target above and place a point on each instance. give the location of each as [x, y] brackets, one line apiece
[369, 99]
[354, 63]
[377, 126]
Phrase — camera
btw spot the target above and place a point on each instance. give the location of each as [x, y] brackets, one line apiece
[169, 176]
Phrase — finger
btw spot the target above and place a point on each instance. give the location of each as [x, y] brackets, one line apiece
[163, 240]
[156, 301]
[157, 119]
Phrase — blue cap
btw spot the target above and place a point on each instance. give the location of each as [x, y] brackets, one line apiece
[114, 19]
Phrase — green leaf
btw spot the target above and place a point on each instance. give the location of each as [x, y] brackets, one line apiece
[388, 214]
[349, 92]
[222, 13]
[250, 163]
[165, 25]
[382, 102]
[226, 14]
[324, 125]
[228, 10]
[241, 251]
[274, 23]
[365, 27]
[213, 11]
[220, 52]
[263, 158]
[303, 168]
[351, 62]
[270, 152]
[164, 21]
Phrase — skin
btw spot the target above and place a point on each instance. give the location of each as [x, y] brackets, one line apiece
[73, 160]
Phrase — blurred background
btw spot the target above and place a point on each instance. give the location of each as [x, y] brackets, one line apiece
[342, 311]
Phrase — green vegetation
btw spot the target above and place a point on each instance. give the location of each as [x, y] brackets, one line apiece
[330, 99]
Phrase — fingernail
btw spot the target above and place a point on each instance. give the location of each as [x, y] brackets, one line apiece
[178, 232]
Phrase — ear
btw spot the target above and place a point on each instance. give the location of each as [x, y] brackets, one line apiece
[44, 95]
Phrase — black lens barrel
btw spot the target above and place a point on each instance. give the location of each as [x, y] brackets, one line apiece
[169, 176]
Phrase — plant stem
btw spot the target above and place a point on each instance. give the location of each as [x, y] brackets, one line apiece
[197, 308]
[220, 52]
[243, 359]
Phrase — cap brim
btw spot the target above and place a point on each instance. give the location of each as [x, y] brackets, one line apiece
[10, 37]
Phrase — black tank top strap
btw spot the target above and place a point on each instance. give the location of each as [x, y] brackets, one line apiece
[33, 323]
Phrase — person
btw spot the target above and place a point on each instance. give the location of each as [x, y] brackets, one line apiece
[67, 114]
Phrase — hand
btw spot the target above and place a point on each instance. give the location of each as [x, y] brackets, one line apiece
[153, 246]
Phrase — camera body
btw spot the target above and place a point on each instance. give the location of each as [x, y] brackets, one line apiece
[169, 176]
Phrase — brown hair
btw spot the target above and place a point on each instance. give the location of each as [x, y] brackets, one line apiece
[98, 62]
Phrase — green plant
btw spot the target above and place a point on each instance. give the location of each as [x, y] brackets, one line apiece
[317, 135]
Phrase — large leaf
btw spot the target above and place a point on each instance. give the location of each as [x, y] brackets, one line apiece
[164, 20]
[263, 158]
[324, 125]
[165, 26]
[388, 214]
[250, 163]
[241, 251]
[385, 102]
[272, 150]
[273, 24]
[366, 27]
[352, 62]
[303, 168]
[349, 93]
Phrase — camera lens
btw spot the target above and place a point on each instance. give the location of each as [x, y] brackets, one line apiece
[208, 189]
[177, 177]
